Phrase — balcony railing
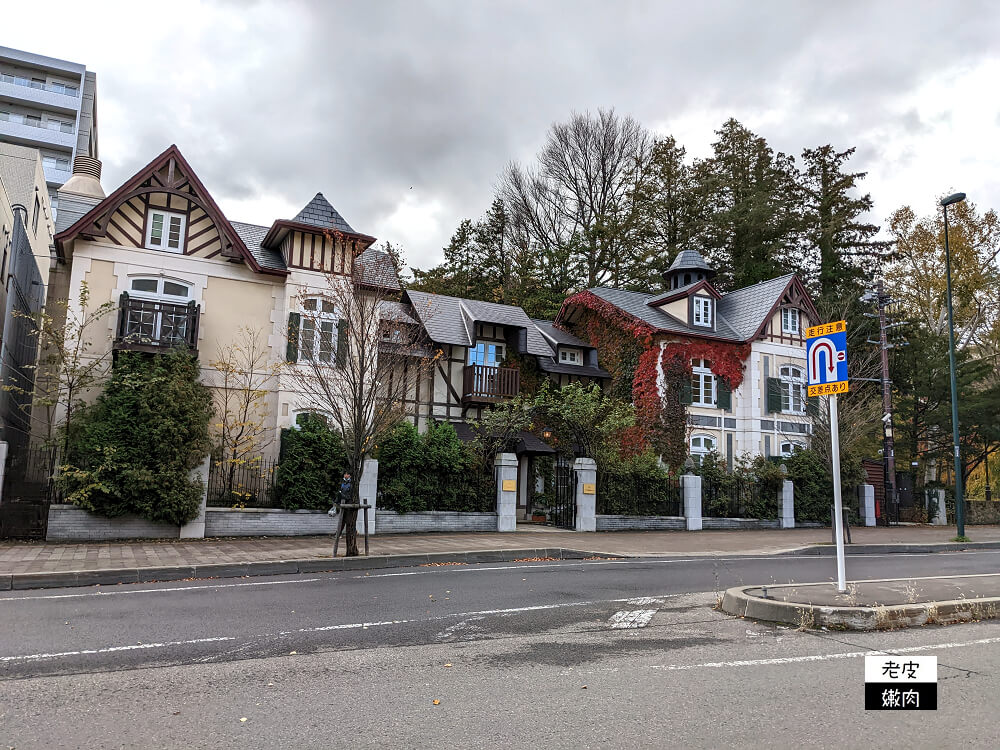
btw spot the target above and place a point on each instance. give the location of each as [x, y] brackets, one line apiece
[55, 88]
[151, 326]
[486, 384]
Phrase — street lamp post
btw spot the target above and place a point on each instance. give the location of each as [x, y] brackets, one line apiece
[959, 498]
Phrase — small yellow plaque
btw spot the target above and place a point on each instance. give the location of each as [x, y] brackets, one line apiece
[589, 489]
[510, 485]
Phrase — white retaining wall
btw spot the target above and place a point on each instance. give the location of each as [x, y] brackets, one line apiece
[70, 523]
[267, 522]
[642, 523]
[391, 522]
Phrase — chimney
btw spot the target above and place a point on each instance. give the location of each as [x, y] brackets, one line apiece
[81, 192]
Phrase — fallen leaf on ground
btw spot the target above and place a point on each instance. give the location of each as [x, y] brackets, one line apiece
[448, 665]
[243, 719]
[439, 564]
[292, 653]
[584, 687]
[536, 559]
[437, 702]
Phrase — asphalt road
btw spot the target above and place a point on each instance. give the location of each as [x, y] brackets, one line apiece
[560, 654]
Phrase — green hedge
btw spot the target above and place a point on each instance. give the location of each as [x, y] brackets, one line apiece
[311, 465]
[133, 450]
[433, 471]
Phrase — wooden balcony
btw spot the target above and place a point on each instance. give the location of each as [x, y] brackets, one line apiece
[153, 326]
[487, 385]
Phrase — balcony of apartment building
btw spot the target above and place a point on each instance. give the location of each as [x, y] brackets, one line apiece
[62, 97]
[35, 130]
[149, 325]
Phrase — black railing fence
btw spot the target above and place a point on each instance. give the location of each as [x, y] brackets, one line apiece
[739, 497]
[246, 483]
[638, 495]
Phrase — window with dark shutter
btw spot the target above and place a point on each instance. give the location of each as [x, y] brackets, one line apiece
[773, 395]
[725, 395]
[341, 343]
[292, 351]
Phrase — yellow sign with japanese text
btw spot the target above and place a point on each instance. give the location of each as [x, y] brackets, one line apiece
[589, 489]
[827, 328]
[509, 485]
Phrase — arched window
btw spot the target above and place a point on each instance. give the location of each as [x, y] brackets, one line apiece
[317, 339]
[793, 390]
[789, 447]
[702, 445]
[159, 311]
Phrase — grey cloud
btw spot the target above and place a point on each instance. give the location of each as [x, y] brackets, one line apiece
[369, 99]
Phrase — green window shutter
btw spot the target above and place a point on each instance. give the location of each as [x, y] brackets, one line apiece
[725, 394]
[686, 396]
[341, 342]
[292, 352]
[773, 395]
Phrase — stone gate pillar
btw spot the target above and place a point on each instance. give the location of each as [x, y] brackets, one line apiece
[691, 494]
[585, 471]
[506, 470]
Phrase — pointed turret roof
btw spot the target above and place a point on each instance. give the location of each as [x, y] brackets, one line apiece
[320, 213]
[690, 260]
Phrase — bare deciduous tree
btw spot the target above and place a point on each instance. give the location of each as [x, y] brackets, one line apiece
[359, 359]
[246, 379]
[581, 205]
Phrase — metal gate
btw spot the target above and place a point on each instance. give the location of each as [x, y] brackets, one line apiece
[563, 511]
[28, 489]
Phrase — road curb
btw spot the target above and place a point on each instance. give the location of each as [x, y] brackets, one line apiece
[110, 576]
[889, 549]
[737, 601]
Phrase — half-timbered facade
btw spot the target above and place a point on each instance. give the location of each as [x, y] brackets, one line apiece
[765, 414]
[179, 272]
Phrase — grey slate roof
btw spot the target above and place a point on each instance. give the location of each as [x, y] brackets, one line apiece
[252, 235]
[738, 314]
[689, 259]
[397, 311]
[746, 308]
[549, 364]
[319, 213]
[559, 336]
[375, 268]
[672, 292]
[451, 320]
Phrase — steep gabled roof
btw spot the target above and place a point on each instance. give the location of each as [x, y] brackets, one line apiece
[558, 336]
[374, 268]
[740, 315]
[451, 320]
[95, 222]
[684, 291]
[319, 213]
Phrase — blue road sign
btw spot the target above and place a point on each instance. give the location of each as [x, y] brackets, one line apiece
[826, 355]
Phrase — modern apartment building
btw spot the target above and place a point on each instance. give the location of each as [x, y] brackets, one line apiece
[50, 105]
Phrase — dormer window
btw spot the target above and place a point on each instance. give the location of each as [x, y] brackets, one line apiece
[165, 231]
[790, 320]
[702, 312]
[570, 356]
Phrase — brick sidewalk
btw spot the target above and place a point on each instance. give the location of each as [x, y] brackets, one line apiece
[50, 557]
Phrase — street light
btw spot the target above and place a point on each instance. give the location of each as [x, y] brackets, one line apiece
[959, 498]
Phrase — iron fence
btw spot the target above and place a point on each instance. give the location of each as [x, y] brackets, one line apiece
[739, 497]
[245, 483]
[638, 495]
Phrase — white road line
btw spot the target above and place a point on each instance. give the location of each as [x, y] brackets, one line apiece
[821, 657]
[113, 649]
[636, 618]
[119, 592]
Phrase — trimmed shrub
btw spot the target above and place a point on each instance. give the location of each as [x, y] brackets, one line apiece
[311, 463]
[134, 449]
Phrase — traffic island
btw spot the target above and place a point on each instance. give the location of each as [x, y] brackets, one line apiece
[881, 604]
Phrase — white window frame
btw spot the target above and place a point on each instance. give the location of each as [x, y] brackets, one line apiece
[482, 357]
[793, 389]
[702, 450]
[701, 374]
[314, 325]
[787, 447]
[165, 230]
[788, 315]
[160, 295]
[570, 357]
[701, 313]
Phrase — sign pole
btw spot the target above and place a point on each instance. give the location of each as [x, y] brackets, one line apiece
[838, 508]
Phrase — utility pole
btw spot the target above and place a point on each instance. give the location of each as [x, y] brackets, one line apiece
[888, 442]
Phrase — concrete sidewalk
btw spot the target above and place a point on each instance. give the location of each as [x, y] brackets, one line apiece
[18, 558]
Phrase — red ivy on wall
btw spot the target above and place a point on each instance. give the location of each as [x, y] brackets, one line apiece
[660, 423]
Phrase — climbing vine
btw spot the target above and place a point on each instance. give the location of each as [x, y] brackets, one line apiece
[628, 351]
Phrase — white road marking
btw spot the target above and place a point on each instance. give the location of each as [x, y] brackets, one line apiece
[114, 649]
[119, 592]
[821, 657]
[450, 631]
[640, 600]
[636, 618]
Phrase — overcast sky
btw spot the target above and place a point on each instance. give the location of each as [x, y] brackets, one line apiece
[403, 113]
